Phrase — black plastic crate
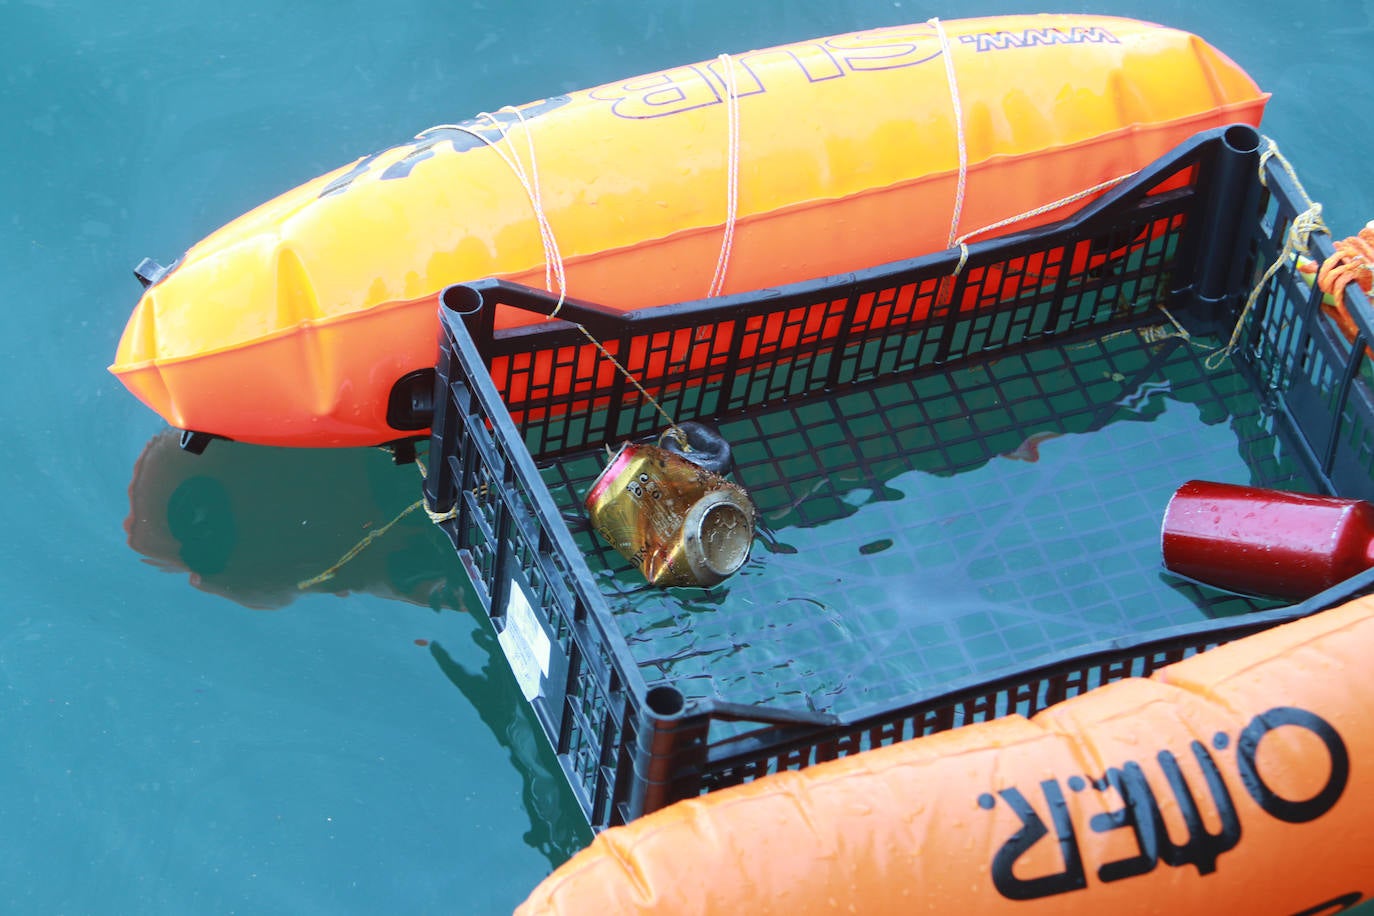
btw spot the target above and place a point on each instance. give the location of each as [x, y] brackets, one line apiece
[910, 371]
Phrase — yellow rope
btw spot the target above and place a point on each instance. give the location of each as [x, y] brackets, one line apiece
[1179, 330]
[629, 376]
[358, 548]
[1297, 239]
[1271, 151]
[435, 517]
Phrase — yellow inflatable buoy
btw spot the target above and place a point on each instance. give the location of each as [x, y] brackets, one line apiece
[292, 324]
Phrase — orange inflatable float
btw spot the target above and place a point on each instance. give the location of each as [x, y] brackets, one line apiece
[292, 324]
[1235, 781]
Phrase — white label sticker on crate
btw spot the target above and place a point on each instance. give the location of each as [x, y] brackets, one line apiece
[525, 643]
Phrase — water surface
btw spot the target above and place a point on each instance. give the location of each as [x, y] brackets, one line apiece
[195, 734]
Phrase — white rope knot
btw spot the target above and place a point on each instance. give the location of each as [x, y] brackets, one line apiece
[1304, 224]
[440, 517]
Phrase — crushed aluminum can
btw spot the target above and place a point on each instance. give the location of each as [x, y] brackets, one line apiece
[681, 524]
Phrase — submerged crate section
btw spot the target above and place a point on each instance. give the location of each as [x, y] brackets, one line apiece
[960, 472]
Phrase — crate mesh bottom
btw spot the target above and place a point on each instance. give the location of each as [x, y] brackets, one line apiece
[959, 524]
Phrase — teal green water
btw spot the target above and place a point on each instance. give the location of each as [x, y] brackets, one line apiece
[916, 535]
[216, 741]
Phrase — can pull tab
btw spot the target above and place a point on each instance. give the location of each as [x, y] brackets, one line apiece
[681, 523]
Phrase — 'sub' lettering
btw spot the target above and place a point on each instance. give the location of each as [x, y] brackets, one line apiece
[464, 135]
[885, 49]
[670, 92]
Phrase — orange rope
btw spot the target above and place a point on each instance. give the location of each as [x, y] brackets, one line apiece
[1351, 263]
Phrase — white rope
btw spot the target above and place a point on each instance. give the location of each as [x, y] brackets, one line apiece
[553, 257]
[961, 187]
[962, 241]
[962, 184]
[529, 181]
[731, 176]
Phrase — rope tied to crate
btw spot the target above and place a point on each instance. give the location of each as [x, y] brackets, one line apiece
[961, 185]
[1296, 240]
[435, 516]
[555, 273]
[554, 268]
[962, 241]
[1352, 259]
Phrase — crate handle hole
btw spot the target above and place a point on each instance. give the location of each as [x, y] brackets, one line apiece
[461, 300]
[666, 701]
[1242, 138]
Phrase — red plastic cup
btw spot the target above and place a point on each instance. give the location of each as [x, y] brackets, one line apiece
[1266, 542]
